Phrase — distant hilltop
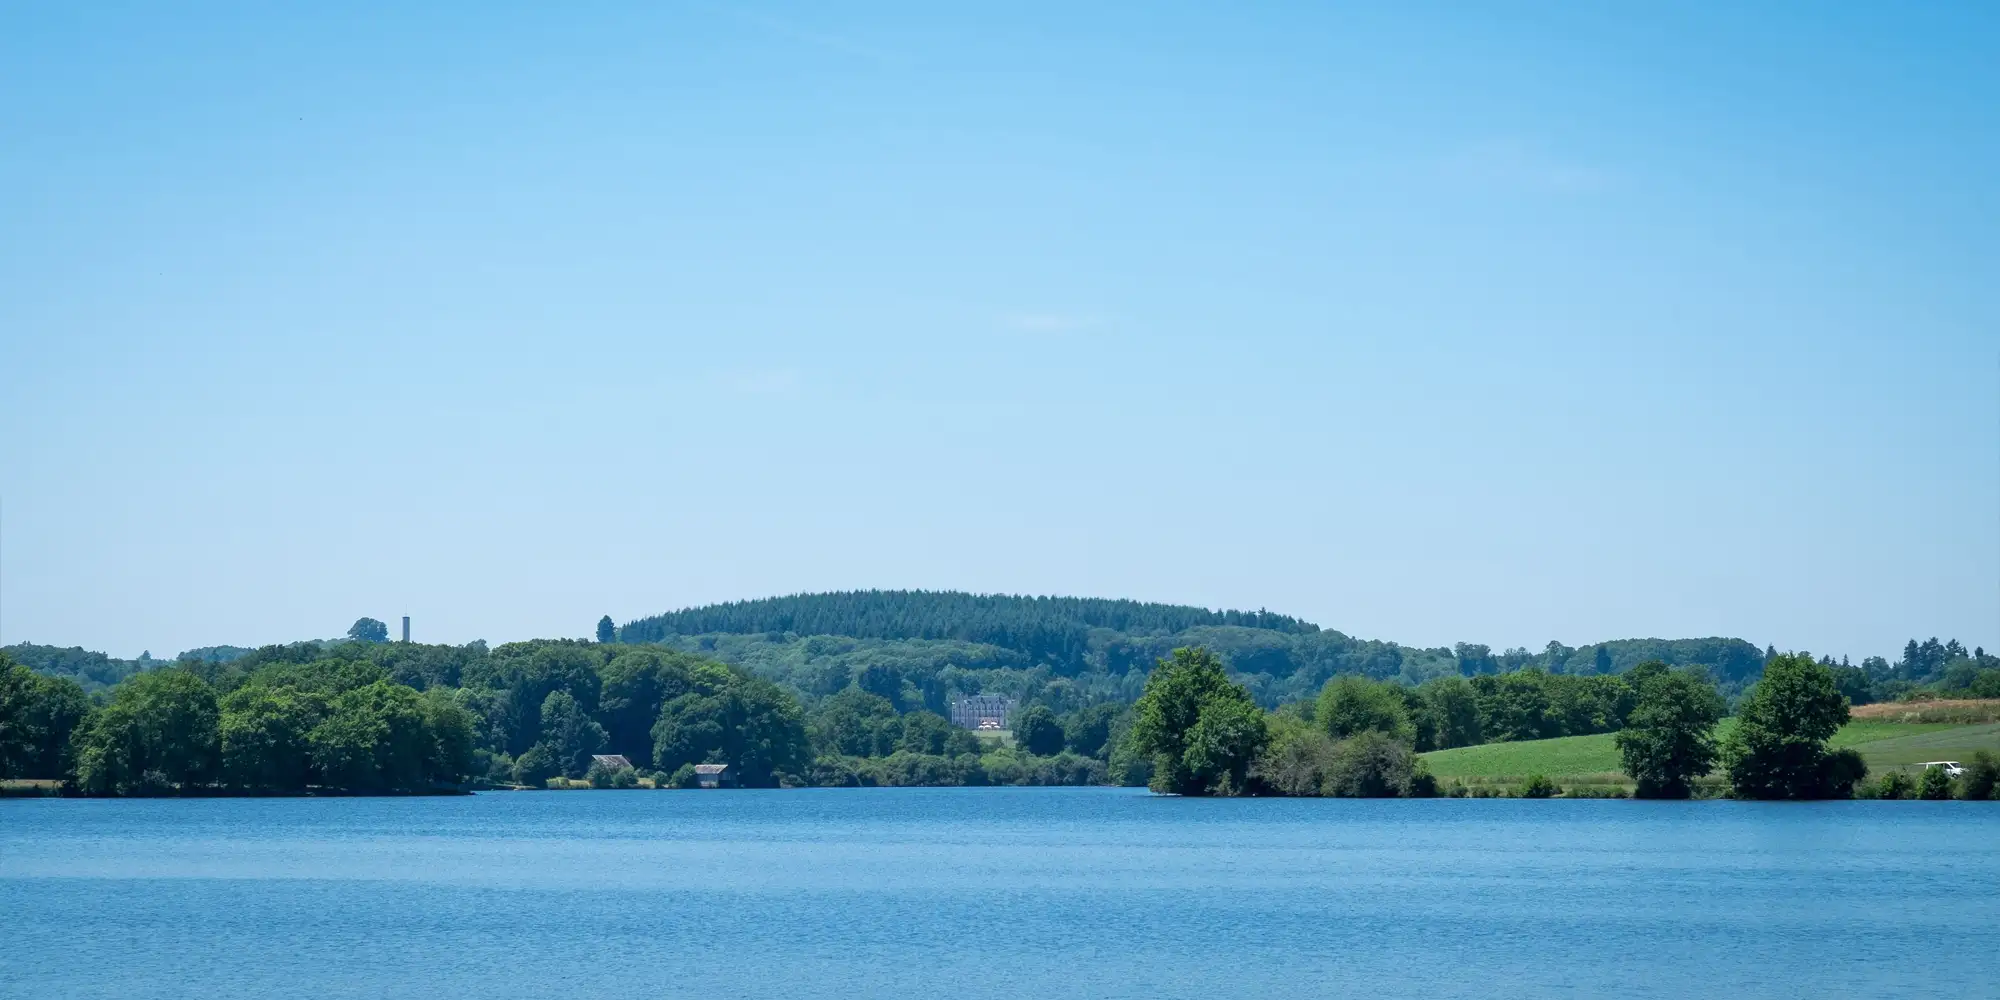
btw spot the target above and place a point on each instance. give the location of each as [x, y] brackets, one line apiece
[1277, 656]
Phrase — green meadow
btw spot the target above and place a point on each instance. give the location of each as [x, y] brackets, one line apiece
[1593, 760]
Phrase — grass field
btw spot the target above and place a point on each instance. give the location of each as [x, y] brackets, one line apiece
[1593, 760]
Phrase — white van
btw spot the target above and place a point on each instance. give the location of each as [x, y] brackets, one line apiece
[1952, 768]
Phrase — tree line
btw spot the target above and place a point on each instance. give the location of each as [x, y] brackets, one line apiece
[1103, 649]
[1204, 735]
[367, 716]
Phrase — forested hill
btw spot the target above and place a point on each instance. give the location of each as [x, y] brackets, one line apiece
[1054, 629]
[1102, 648]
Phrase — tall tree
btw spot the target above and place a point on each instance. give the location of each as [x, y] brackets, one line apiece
[1037, 731]
[1190, 758]
[17, 739]
[1453, 706]
[1778, 749]
[265, 733]
[157, 736]
[570, 733]
[1351, 704]
[368, 630]
[607, 630]
[1669, 738]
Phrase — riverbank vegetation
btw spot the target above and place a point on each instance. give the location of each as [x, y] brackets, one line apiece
[854, 689]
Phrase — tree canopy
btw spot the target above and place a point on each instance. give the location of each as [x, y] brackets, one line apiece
[1778, 749]
[1201, 730]
[1668, 740]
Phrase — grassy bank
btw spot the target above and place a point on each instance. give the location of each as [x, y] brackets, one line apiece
[1592, 761]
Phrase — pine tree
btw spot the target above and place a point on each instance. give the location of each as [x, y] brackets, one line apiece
[607, 631]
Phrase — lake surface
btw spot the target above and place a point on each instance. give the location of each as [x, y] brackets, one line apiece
[994, 893]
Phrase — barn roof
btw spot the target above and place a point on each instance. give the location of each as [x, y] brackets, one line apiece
[611, 759]
[710, 768]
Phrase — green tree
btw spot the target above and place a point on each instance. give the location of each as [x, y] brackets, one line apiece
[1981, 780]
[1225, 740]
[607, 630]
[1895, 785]
[538, 764]
[856, 723]
[749, 724]
[931, 734]
[1513, 706]
[265, 733]
[374, 739]
[158, 735]
[1037, 731]
[17, 740]
[368, 630]
[1189, 758]
[1778, 748]
[1936, 784]
[1454, 710]
[1297, 759]
[1352, 704]
[1089, 729]
[38, 716]
[636, 683]
[1669, 739]
[1371, 764]
[453, 743]
[570, 733]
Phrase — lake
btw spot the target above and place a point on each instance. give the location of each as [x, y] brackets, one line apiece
[994, 893]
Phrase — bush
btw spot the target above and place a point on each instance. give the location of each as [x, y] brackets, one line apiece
[536, 766]
[601, 776]
[1839, 772]
[1935, 786]
[1981, 779]
[1423, 784]
[1538, 786]
[1370, 765]
[683, 777]
[1297, 760]
[1895, 785]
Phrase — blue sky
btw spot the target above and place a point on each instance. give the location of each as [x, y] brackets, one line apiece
[1432, 323]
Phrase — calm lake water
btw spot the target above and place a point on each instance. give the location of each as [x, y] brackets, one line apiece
[1000, 893]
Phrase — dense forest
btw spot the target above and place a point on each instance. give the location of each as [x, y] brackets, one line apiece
[1074, 650]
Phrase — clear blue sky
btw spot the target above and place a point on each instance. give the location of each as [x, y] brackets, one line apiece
[1425, 322]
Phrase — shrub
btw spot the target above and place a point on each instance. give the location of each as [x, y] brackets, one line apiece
[1370, 765]
[1296, 761]
[1423, 784]
[1935, 786]
[1895, 785]
[1839, 771]
[601, 776]
[1981, 779]
[536, 765]
[1538, 786]
[683, 777]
